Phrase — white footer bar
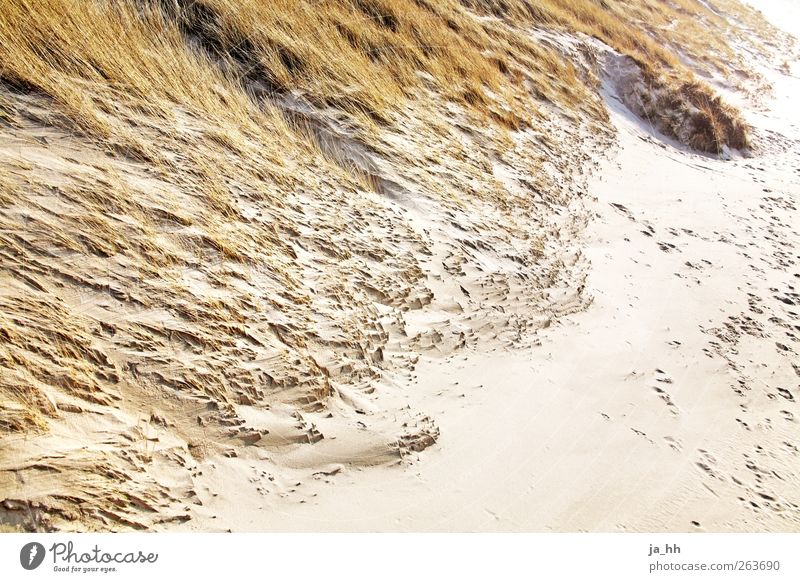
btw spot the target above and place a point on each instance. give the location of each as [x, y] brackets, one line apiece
[406, 557]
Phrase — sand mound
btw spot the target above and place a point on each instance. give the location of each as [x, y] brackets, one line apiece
[233, 238]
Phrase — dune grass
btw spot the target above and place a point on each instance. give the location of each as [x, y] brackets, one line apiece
[381, 48]
[659, 36]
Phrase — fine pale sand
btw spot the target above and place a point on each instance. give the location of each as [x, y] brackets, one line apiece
[669, 404]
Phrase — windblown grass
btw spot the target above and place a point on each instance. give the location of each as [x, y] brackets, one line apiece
[385, 50]
[655, 34]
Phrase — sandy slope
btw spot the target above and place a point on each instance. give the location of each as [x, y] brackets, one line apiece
[469, 334]
[190, 374]
[669, 404]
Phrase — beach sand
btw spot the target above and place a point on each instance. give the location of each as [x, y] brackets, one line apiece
[668, 404]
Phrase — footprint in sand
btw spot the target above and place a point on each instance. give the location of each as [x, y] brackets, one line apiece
[663, 378]
[673, 443]
[707, 463]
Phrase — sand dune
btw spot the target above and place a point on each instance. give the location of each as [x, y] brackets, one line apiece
[668, 404]
[237, 302]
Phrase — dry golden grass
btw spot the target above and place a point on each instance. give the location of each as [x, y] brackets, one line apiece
[134, 57]
[381, 48]
[6, 192]
[659, 36]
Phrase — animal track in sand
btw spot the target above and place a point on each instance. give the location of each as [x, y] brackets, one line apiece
[662, 377]
[707, 463]
[674, 443]
[759, 495]
[642, 434]
[624, 210]
[697, 266]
